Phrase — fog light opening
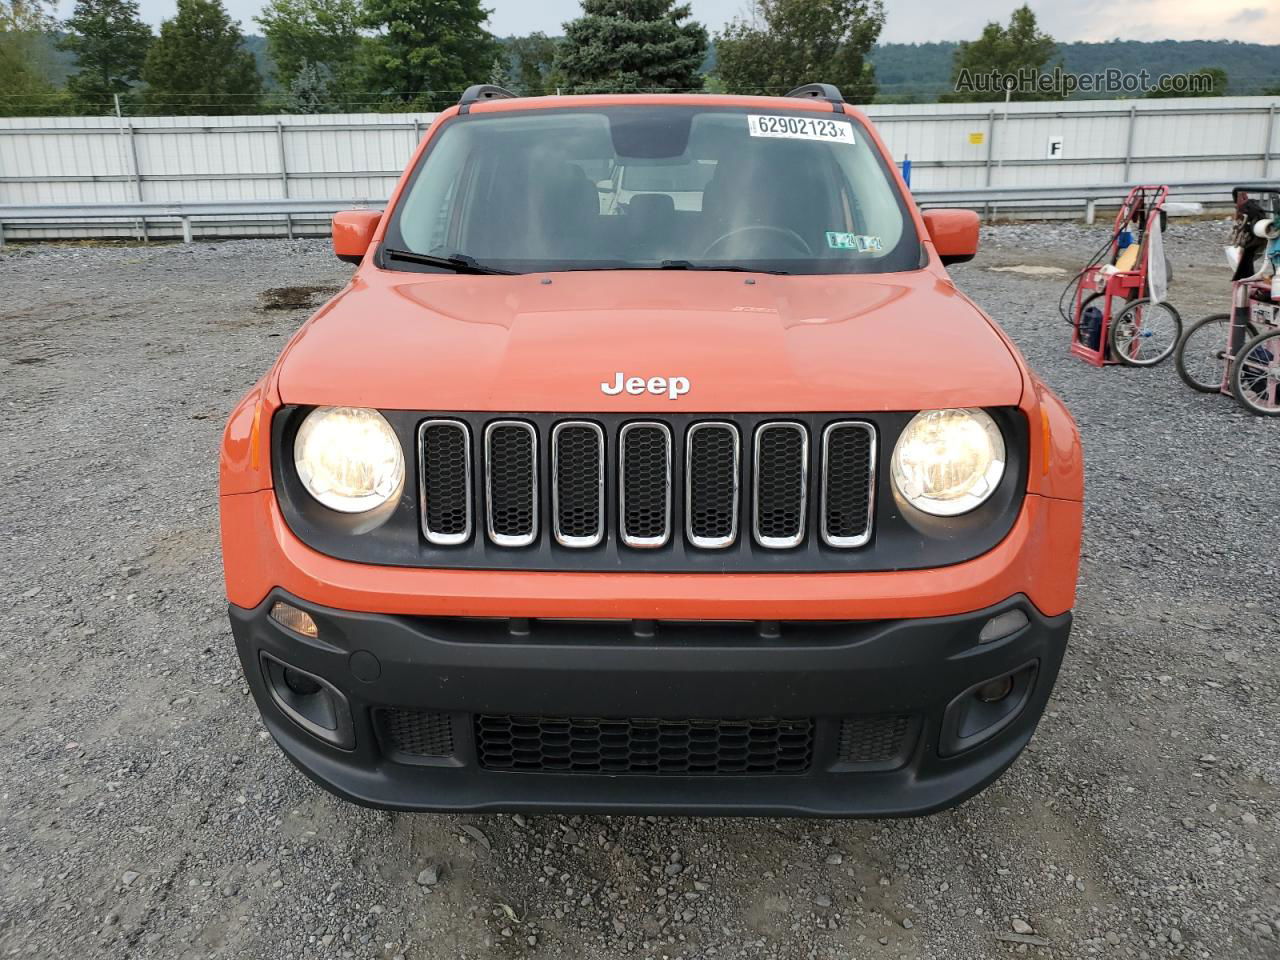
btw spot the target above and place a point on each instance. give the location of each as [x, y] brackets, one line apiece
[300, 683]
[310, 701]
[290, 617]
[995, 690]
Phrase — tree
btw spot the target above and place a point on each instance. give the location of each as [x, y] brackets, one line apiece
[110, 43]
[535, 59]
[786, 43]
[499, 73]
[311, 90]
[24, 86]
[427, 51]
[1210, 82]
[1008, 51]
[317, 32]
[198, 64]
[626, 46]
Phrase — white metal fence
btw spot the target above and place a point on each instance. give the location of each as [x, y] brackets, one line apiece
[357, 157]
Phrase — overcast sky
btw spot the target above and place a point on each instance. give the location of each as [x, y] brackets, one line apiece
[914, 20]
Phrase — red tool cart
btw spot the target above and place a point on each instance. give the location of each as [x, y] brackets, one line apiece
[1115, 318]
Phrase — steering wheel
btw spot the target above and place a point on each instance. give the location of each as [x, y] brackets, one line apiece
[793, 239]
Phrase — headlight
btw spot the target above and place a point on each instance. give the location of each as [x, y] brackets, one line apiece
[349, 458]
[948, 462]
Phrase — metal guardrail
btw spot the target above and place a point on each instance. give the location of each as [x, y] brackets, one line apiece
[1057, 198]
[183, 212]
[986, 198]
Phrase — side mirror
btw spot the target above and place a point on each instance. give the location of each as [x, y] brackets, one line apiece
[353, 232]
[954, 234]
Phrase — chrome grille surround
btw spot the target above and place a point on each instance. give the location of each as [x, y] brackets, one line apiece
[444, 538]
[577, 541]
[770, 541]
[505, 539]
[861, 538]
[641, 541]
[691, 491]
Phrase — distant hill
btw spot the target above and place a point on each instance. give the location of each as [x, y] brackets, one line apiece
[922, 71]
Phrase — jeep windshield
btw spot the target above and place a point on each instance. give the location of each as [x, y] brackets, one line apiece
[652, 187]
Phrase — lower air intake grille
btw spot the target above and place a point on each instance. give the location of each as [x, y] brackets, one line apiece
[643, 746]
[880, 739]
[416, 733]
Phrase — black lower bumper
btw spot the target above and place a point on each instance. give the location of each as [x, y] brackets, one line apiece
[882, 718]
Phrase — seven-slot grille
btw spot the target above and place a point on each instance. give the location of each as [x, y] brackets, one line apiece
[628, 482]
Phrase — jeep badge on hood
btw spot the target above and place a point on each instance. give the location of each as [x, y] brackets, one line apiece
[673, 387]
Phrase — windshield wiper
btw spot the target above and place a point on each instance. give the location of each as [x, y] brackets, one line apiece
[723, 268]
[457, 262]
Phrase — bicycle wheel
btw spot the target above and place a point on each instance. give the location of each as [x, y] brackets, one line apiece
[1201, 355]
[1144, 333]
[1255, 376]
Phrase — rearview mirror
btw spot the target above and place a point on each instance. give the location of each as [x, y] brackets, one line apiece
[954, 234]
[353, 232]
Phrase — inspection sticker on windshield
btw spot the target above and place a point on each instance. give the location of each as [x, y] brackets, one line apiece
[853, 241]
[800, 128]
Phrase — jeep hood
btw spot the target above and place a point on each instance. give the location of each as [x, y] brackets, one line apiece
[746, 343]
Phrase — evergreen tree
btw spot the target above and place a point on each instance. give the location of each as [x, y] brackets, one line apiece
[499, 73]
[110, 43]
[311, 90]
[427, 51]
[318, 32]
[1006, 50]
[198, 64]
[787, 43]
[535, 57]
[626, 46]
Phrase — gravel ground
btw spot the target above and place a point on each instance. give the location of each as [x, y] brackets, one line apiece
[144, 811]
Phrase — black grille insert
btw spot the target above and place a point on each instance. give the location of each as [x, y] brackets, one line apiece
[511, 468]
[711, 511]
[645, 495]
[848, 472]
[446, 481]
[416, 733]
[578, 483]
[781, 479]
[643, 746]
[882, 739]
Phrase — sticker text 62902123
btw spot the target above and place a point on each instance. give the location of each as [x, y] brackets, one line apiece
[800, 128]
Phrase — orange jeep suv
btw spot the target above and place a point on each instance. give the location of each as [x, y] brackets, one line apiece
[652, 462]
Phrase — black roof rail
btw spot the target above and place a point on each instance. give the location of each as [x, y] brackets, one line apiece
[821, 91]
[482, 91]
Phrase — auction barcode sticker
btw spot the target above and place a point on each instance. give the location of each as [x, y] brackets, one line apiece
[800, 128]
